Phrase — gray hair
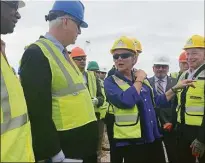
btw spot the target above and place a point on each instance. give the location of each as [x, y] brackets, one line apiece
[57, 22]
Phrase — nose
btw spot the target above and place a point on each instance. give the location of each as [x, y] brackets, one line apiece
[79, 30]
[18, 16]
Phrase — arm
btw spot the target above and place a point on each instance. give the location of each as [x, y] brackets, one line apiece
[118, 97]
[36, 78]
[100, 96]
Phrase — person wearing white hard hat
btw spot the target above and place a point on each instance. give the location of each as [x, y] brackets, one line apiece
[16, 141]
[166, 115]
[102, 72]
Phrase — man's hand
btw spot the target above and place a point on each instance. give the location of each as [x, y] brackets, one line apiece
[95, 101]
[198, 148]
[167, 126]
[183, 83]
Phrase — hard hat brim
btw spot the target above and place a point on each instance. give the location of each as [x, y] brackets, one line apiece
[161, 63]
[84, 25]
[21, 4]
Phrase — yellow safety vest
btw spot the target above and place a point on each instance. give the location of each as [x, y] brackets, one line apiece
[127, 121]
[194, 102]
[104, 107]
[16, 140]
[92, 84]
[71, 102]
[174, 74]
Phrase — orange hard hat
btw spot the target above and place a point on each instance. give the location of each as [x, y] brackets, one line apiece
[183, 56]
[77, 52]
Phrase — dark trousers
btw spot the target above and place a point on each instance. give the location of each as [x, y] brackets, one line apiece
[90, 159]
[186, 135]
[170, 145]
[145, 153]
[115, 153]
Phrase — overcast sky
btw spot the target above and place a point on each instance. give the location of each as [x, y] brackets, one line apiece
[161, 26]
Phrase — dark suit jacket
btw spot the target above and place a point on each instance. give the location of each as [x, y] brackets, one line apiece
[166, 114]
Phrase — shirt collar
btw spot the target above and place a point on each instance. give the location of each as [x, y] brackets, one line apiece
[55, 41]
[193, 72]
[121, 76]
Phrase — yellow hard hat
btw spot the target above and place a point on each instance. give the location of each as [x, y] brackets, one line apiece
[124, 42]
[196, 41]
[138, 45]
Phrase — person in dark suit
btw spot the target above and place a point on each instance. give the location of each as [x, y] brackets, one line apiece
[166, 116]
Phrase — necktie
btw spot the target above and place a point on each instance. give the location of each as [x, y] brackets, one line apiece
[160, 89]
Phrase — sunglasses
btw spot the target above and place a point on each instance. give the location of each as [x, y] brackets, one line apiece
[161, 66]
[79, 58]
[77, 22]
[12, 4]
[101, 72]
[122, 56]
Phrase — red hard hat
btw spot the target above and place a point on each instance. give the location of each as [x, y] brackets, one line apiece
[77, 52]
[183, 56]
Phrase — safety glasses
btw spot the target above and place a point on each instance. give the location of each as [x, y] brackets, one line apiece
[12, 4]
[161, 66]
[122, 56]
[79, 58]
[101, 72]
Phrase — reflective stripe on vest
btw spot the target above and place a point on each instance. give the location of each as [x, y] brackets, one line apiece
[195, 109]
[74, 88]
[8, 122]
[126, 118]
[127, 124]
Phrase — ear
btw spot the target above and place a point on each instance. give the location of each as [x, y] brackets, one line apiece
[65, 23]
[135, 58]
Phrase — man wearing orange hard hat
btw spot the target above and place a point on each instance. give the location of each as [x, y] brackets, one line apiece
[94, 87]
[183, 65]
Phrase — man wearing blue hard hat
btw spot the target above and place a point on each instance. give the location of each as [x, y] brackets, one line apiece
[61, 112]
[16, 141]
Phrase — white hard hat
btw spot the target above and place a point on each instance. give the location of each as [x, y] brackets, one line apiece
[103, 69]
[161, 60]
[20, 2]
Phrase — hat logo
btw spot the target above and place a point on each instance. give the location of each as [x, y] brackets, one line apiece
[120, 44]
[189, 42]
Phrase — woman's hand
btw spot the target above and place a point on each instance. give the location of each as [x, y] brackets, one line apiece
[140, 74]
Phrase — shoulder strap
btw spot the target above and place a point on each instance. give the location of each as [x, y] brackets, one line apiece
[199, 71]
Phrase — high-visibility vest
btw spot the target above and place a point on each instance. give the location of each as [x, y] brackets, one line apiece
[104, 107]
[92, 84]
[191, 100]
[127, 121]
[174, 74]
[16, 140]
[71, 102]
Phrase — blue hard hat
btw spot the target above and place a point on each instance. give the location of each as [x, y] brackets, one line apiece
[72, 8]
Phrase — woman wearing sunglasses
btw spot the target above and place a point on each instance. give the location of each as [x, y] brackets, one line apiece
[131, 120]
